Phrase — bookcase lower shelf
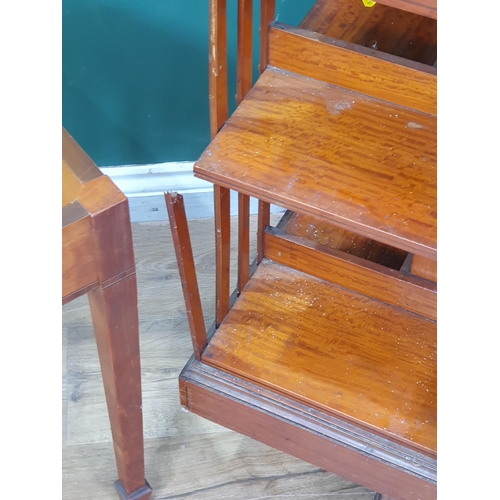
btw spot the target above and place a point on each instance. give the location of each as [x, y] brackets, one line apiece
[333, 377]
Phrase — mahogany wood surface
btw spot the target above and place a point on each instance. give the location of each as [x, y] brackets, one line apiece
[217, 66]
[351, 66]
[362, 164]
[354, 273]
[335, 350]
[243, 240]
[244, 49]
[243, 85]
[187, 270]
[263, 217]
[426, 268]
[112, 234]
[98, 258]
[387, 29]
[324, 233]
[299, 430]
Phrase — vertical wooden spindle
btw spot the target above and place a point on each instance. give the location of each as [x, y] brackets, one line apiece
[264, 215]
[187, 271]
[267, 11]
[222, 251]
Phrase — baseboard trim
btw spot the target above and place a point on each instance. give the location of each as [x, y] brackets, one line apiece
[145, 185]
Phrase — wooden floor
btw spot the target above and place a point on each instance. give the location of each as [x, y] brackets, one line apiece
[186, 456]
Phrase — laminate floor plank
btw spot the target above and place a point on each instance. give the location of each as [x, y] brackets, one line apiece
[209, 467]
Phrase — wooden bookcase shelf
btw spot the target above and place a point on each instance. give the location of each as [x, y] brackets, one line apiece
[327, 348]
[335, 350]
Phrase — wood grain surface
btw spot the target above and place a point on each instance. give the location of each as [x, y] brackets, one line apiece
[324, 233]
[335, 350]
[351, 66]
[370, 279]
[267, 12]
[362, 164]
[217, 66]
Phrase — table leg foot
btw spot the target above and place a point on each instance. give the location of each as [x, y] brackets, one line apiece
[143, 493]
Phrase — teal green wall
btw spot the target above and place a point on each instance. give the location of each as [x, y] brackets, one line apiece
[135, 84]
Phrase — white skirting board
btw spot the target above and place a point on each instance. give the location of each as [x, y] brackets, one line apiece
[145, 185]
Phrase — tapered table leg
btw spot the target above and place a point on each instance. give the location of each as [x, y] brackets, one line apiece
[115, 319]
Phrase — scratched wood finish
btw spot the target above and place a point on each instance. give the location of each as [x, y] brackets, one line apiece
[426, 8]
[267, 12]
[351, 272]
[243, 240]
[110, 226]
[217, 66]
[243, 85]
[264, 211]
[187, 270]
[362, 164]
[357, 68]
[426, 268]
[387, 29]
[335, 350]
[324, 233]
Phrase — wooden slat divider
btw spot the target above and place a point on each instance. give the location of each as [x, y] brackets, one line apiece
[244, 52]
[267, 11]
[187, 271]
[222, 251]
[353, 67]
[217, 76]
[263, 220]
[243, 85]
[243, 240]
[362, 276]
